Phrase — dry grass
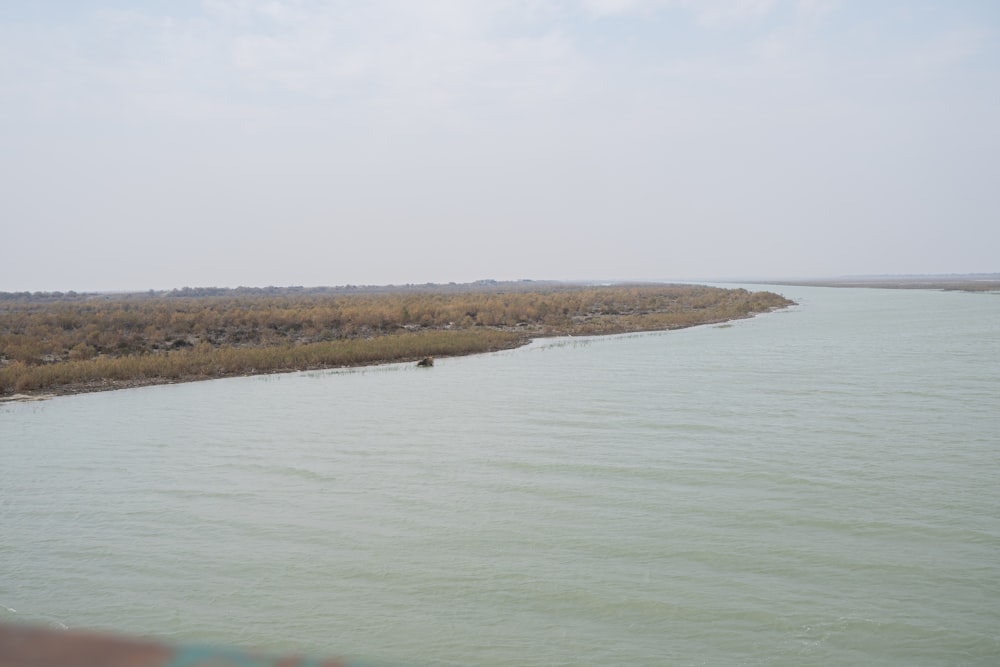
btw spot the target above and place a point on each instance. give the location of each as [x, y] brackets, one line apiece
[85, 343]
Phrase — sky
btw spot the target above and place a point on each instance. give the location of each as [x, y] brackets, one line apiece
[170, 143]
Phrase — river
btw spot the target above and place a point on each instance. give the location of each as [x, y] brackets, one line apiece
[819, 485]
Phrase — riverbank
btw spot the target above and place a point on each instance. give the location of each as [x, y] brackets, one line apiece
[989, 282]
[86, 343]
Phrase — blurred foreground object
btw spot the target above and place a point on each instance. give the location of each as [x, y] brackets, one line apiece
[28, 646]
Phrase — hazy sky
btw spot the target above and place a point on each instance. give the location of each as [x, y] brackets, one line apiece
[168, 143]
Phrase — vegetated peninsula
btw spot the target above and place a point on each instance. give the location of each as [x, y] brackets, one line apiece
[61, 343]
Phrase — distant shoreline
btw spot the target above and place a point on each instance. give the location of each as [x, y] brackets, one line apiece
[990, 283]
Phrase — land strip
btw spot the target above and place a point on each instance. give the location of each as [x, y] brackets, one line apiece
[71, 343]
[980, 282]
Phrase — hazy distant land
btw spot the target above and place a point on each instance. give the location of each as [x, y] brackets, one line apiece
[59, 343]
[968, 282]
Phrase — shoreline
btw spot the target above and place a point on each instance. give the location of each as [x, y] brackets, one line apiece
[107, 384]
[67, 347]
[987, 286]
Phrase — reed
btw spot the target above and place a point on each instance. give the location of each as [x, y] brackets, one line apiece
[205, 361]
[87, 343]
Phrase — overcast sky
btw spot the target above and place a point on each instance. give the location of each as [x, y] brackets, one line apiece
[170, 143]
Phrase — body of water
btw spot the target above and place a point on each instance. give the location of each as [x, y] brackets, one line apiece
[817, 486]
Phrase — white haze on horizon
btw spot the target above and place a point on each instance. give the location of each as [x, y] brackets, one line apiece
[153, 145]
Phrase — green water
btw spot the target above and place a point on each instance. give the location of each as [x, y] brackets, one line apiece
[819, 486]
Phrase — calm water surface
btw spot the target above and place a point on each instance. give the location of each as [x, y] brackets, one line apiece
[819, 486]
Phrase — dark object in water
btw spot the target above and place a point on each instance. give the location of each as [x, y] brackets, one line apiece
[426, 362]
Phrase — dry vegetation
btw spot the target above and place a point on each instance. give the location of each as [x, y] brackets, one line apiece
[68, 342]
